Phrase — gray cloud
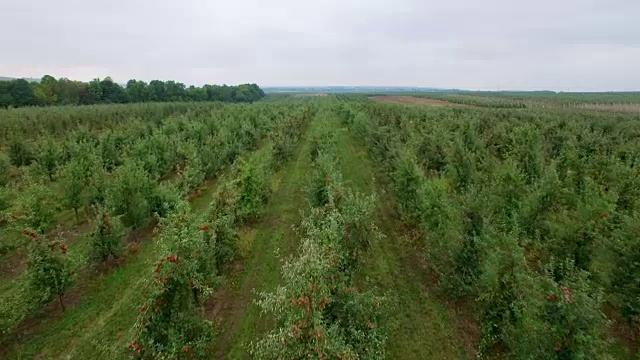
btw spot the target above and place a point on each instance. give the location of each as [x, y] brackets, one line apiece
[544, 44]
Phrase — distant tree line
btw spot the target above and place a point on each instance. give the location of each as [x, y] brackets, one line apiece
[52, 91]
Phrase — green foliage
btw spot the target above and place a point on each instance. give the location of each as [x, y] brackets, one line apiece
[164, 200]
[221, 222]
[46, 93]
[502, 285]
[134, 162]
[516, 206]
[72, 180]
[110, 150]
[625, 281]
[48, 273]
[285, 137]
[359, 125]
[545, 318]
[97, 185]
[49, 158]
[4, 169]
[129, 193]
[39, 208]
[193, 175]
[4, 201]
[251, 189]
[20, 153]
[318, 312]
[170, 324]
[49, 91]
[323, 175]
[106, 238]
[21, 92]
[322, 138]
[359, 230]
[531, 216]
[407, 188]
[528, 145]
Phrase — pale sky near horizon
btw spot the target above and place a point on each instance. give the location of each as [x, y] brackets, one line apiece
[579, 45]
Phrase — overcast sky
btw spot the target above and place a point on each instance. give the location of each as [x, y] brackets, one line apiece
[471, 44]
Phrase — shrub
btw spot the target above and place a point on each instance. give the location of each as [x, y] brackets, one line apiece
[4, 169]
[251, 189]
[110, 150]
[558, 318]
[284, 140]
[106, 238]
[324, 176]
[359, 229]
[408, 180]
[50, 156]
[625, 282]
[221, 219]
[165, 199]
[72, 181]
[38, 203]
[48, 273]
[193, 174]
[20, 154]
[97, 186]
[4, 201]
[129, 193]
[171, 324]
[317, 313]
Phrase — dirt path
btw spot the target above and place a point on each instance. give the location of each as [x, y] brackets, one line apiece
[263, 245]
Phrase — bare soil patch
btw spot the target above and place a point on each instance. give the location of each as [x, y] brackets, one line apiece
[14, 265]
[410, 100]
[311, 95]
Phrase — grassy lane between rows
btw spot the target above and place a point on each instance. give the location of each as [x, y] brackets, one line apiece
[98, 322]
[421, 326]
[263, 245]
[97, 327]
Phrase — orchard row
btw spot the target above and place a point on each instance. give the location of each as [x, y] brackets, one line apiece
[148, 173]
[531, 215]
[318, 310]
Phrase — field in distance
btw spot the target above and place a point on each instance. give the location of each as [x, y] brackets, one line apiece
[410, 100]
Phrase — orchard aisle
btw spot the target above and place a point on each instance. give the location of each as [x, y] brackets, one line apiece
[420, 326]
[98, 326]
[263, 245]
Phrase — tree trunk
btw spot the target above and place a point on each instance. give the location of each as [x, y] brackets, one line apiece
[196, 298]
[61, 302]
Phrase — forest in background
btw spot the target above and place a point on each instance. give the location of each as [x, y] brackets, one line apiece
[62, 91]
